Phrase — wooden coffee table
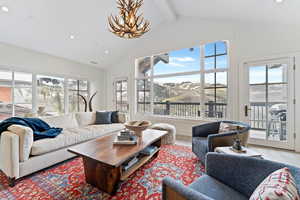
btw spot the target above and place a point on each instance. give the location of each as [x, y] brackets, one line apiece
[103, 160]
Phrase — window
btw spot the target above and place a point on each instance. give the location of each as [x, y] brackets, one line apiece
[215, 75]
[22, 94]
[143, 96]
[21, 97]
[75, 89]
[185, 83]
[15, 94]
[121, 95]
[6, 101]
[50, 93]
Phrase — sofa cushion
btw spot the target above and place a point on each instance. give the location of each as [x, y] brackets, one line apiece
[103, 117]
[105, 129]
[62, 121]
[65, 139]
[215, 189]
[25, 140]
[85, 118]
[278, 185]
[72, 136]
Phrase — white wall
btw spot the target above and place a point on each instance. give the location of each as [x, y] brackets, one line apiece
[247, 42]
[24, 60]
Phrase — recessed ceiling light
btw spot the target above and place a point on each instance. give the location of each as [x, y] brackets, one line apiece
[279, 1]
[106, 52]
[4, 8]
[72, 37]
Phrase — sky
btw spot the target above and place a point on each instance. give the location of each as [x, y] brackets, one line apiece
[187, 60]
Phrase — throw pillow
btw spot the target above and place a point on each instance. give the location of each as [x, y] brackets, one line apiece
[226, 127]
[280, 185]
[115, 117]
[223, 127]
[103, 118]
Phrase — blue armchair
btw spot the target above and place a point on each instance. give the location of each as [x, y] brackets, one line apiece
[206, 137]
[227, 177]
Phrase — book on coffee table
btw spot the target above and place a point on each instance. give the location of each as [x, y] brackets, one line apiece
[132, 140]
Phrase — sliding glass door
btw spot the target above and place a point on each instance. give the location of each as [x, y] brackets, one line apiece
[267, 97]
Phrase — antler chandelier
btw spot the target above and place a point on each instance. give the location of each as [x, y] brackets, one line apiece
[129, 24]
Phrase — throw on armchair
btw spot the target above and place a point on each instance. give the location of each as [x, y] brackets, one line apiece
[235, 178]
[206, 137]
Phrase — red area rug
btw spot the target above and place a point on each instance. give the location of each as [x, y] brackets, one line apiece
[67, 180]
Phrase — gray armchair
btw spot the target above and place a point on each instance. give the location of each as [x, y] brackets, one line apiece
[227, 177]
[206, 137]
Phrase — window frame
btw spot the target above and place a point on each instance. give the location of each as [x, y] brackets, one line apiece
[115, 84]
[34, 88]
[77, 90]
[202, 71]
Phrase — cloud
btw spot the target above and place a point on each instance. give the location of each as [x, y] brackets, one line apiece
[176, 64]
[182, 59]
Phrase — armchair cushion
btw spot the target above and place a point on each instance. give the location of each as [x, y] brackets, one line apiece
[25, 140]
[215, 189]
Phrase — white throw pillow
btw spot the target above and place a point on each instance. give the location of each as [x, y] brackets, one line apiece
[26, 140]
[280, 185]
[85, 118]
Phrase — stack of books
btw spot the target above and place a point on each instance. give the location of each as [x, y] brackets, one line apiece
[126, 137]
[149, 150]
[130, 163]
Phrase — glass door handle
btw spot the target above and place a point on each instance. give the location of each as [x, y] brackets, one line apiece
[247, 109]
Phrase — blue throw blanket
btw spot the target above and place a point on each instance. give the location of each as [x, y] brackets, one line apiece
[40, 128]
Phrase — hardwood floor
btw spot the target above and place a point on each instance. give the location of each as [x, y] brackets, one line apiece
[279, 155]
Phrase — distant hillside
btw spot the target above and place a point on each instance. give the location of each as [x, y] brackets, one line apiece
[185, 92]
[190, 92]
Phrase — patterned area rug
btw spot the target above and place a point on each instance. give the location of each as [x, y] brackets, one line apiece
[67, 180]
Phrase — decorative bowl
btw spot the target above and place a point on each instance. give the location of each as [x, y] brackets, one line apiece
[137, 126]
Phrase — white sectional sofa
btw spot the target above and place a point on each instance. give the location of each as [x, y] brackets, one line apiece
[21, 156]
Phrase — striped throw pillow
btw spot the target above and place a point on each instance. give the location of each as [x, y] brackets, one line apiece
[280, 185]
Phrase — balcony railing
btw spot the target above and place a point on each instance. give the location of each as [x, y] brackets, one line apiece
[258, 113]
[181, 109]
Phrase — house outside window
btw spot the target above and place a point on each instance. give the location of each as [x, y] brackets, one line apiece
[121, 95]
[189, 83]
[15, 94]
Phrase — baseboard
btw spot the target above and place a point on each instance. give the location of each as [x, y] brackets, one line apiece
[184, 137]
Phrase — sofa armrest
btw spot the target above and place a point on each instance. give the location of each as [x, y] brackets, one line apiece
[241, 173]
[25, 140]
[173, 190]
[206, 129]
[10, 154]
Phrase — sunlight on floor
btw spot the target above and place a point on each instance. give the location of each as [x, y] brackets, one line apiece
[279, 155]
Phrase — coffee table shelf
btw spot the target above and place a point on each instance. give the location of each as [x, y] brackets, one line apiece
[136, 166]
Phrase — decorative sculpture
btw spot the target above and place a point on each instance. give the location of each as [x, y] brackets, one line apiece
[88, 102]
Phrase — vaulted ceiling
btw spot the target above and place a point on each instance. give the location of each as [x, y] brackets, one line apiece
[46, 25]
